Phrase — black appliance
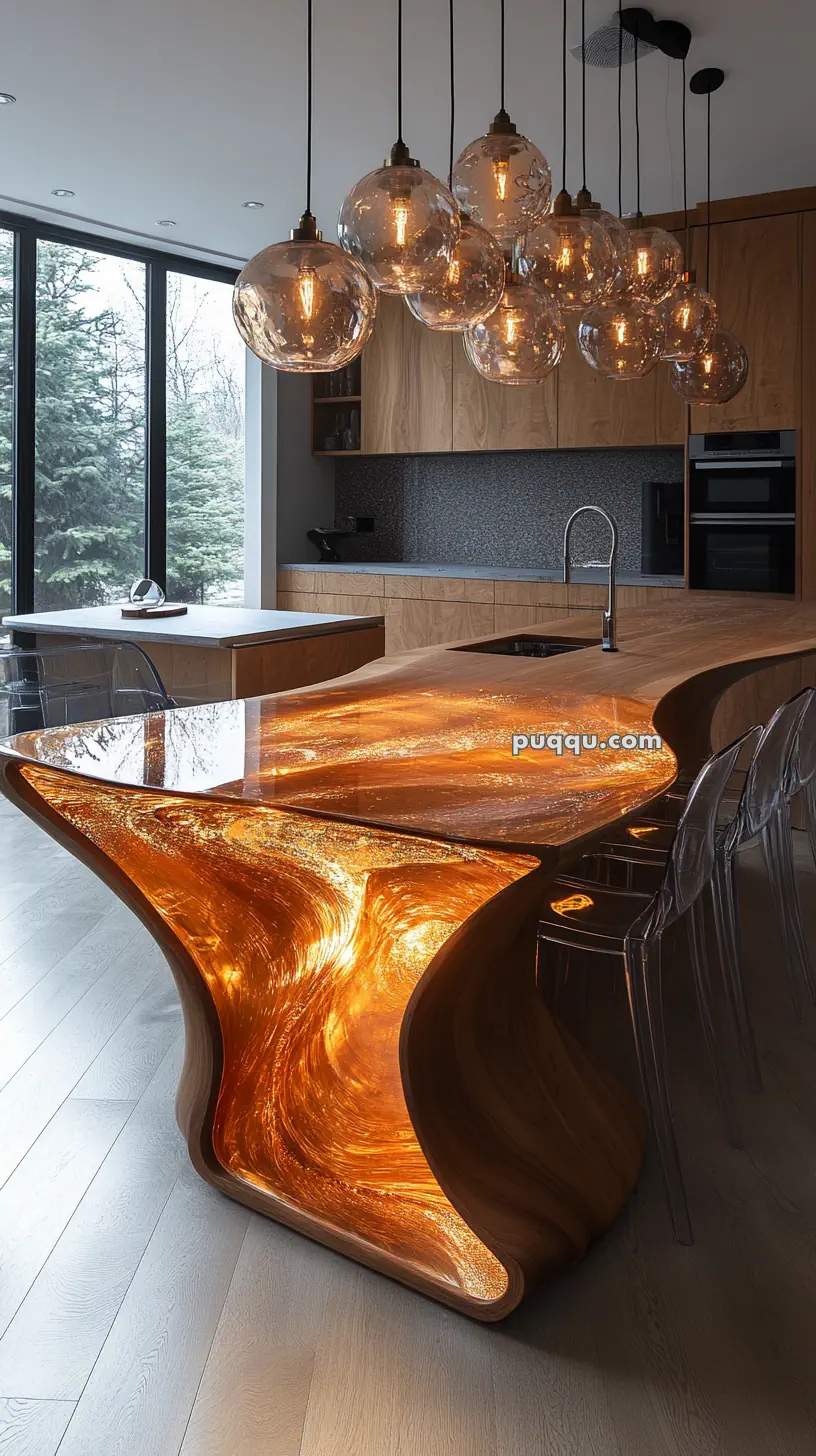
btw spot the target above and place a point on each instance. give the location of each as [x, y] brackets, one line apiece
[662, 525]
[742, 511]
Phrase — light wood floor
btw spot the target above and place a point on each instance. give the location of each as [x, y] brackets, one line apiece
[142, 1314]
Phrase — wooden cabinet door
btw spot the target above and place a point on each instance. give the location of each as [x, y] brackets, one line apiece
[595, 411]
[755, 276]
[806, 524]
[407, 404]
[500, 416]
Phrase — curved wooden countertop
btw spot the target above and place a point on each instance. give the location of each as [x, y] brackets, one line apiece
[421, 742]
[346, 882]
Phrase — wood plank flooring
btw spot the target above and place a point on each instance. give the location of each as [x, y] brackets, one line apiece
[142, 1314]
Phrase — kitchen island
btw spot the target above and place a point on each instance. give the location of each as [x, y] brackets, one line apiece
[346, 883]
[212, 653]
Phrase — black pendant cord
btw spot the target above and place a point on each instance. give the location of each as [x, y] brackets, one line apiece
[637, 128]
[620, 109]
[309, 67]
[564, 99]
[685, 170]
[583, 97]
[399, 72]
[452, 96]
[708, 188]
[502, 55]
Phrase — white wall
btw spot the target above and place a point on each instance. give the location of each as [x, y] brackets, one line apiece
[260, 499]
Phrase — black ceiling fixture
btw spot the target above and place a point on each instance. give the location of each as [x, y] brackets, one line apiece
[668, 36]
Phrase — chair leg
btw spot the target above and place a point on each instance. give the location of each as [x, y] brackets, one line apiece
[777, 844]
[769, 842]
[810, 804]
[705, 1007]
[723, 891]
[643, 981]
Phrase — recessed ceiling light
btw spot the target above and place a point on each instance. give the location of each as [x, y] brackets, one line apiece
[165, 222]
[252, 205]
[6, 99]
[62, 192]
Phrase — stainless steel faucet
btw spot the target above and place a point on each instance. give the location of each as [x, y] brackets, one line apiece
[609, 623]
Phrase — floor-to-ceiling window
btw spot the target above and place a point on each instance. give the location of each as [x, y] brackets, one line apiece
[6, 411]
[205, 443]
[121, 423]
[89, 483]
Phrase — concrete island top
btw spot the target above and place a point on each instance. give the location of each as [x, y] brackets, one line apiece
[200, 627]
[591, 575]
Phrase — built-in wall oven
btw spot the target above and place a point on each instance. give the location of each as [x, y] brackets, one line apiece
[742, 518]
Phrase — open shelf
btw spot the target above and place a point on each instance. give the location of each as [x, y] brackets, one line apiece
[337, 424]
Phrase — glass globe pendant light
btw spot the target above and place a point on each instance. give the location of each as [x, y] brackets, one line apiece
[718, 372]
[502, 180]
[620, 337]
[400, 221]
[569, 254]
[474, 281]
[522, 340]
[656, 260]
[303, 306]
[689, 313]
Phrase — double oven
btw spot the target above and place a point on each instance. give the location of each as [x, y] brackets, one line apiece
[742, 522]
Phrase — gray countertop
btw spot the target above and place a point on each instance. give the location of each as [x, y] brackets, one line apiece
[589, 574]
[200, 627]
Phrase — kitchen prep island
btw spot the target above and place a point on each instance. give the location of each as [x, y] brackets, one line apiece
[213, 653]
[346, 883]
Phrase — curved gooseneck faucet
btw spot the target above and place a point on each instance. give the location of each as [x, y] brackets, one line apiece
[609, 624]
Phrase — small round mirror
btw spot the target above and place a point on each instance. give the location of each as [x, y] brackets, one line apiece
[146, 593]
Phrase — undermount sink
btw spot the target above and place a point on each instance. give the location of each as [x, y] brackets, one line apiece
[529, 646]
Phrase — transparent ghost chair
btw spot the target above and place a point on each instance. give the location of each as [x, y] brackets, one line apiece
[77, 683]
[585, 915]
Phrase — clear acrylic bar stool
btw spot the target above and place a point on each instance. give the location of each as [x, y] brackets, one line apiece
[582, 914]
[77, 683]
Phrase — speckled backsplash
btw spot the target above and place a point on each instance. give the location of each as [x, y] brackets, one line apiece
[502, 509]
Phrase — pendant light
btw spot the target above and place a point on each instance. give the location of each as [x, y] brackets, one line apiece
[614, 227]
[502, 180]
[621, 337]
[689, 314]
[304, 306]
[474, 281]
[569, 254]
[522, 340]
[400, 221]
[719, 371]
[656, 261]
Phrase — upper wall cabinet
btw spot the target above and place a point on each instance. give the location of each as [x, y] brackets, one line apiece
[755, 276]
[406, 384]
[500, 416]
[594, 411]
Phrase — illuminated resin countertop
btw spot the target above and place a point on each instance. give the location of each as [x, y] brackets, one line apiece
[345, 880]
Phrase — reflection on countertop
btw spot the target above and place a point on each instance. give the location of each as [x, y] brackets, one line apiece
[588, 574]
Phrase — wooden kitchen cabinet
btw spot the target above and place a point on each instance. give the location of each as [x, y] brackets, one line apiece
[501, 416]
[406, 384]
[596, 412]
[755, 276]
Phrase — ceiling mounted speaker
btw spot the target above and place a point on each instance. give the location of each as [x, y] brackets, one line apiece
[603, 44]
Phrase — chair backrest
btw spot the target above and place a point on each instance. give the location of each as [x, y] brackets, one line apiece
[774, 773]
[77, 683]
[803, 757]
[691, 858]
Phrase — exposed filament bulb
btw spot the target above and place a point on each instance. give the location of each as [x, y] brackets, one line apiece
[306, 288]
[510, 329]
[620, 330]
[642, 262]
[501, 171]
[400, 221]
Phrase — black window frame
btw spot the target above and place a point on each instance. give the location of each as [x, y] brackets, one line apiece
[27, 232]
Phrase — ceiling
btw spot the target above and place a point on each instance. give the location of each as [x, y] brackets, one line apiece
[185, 109]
